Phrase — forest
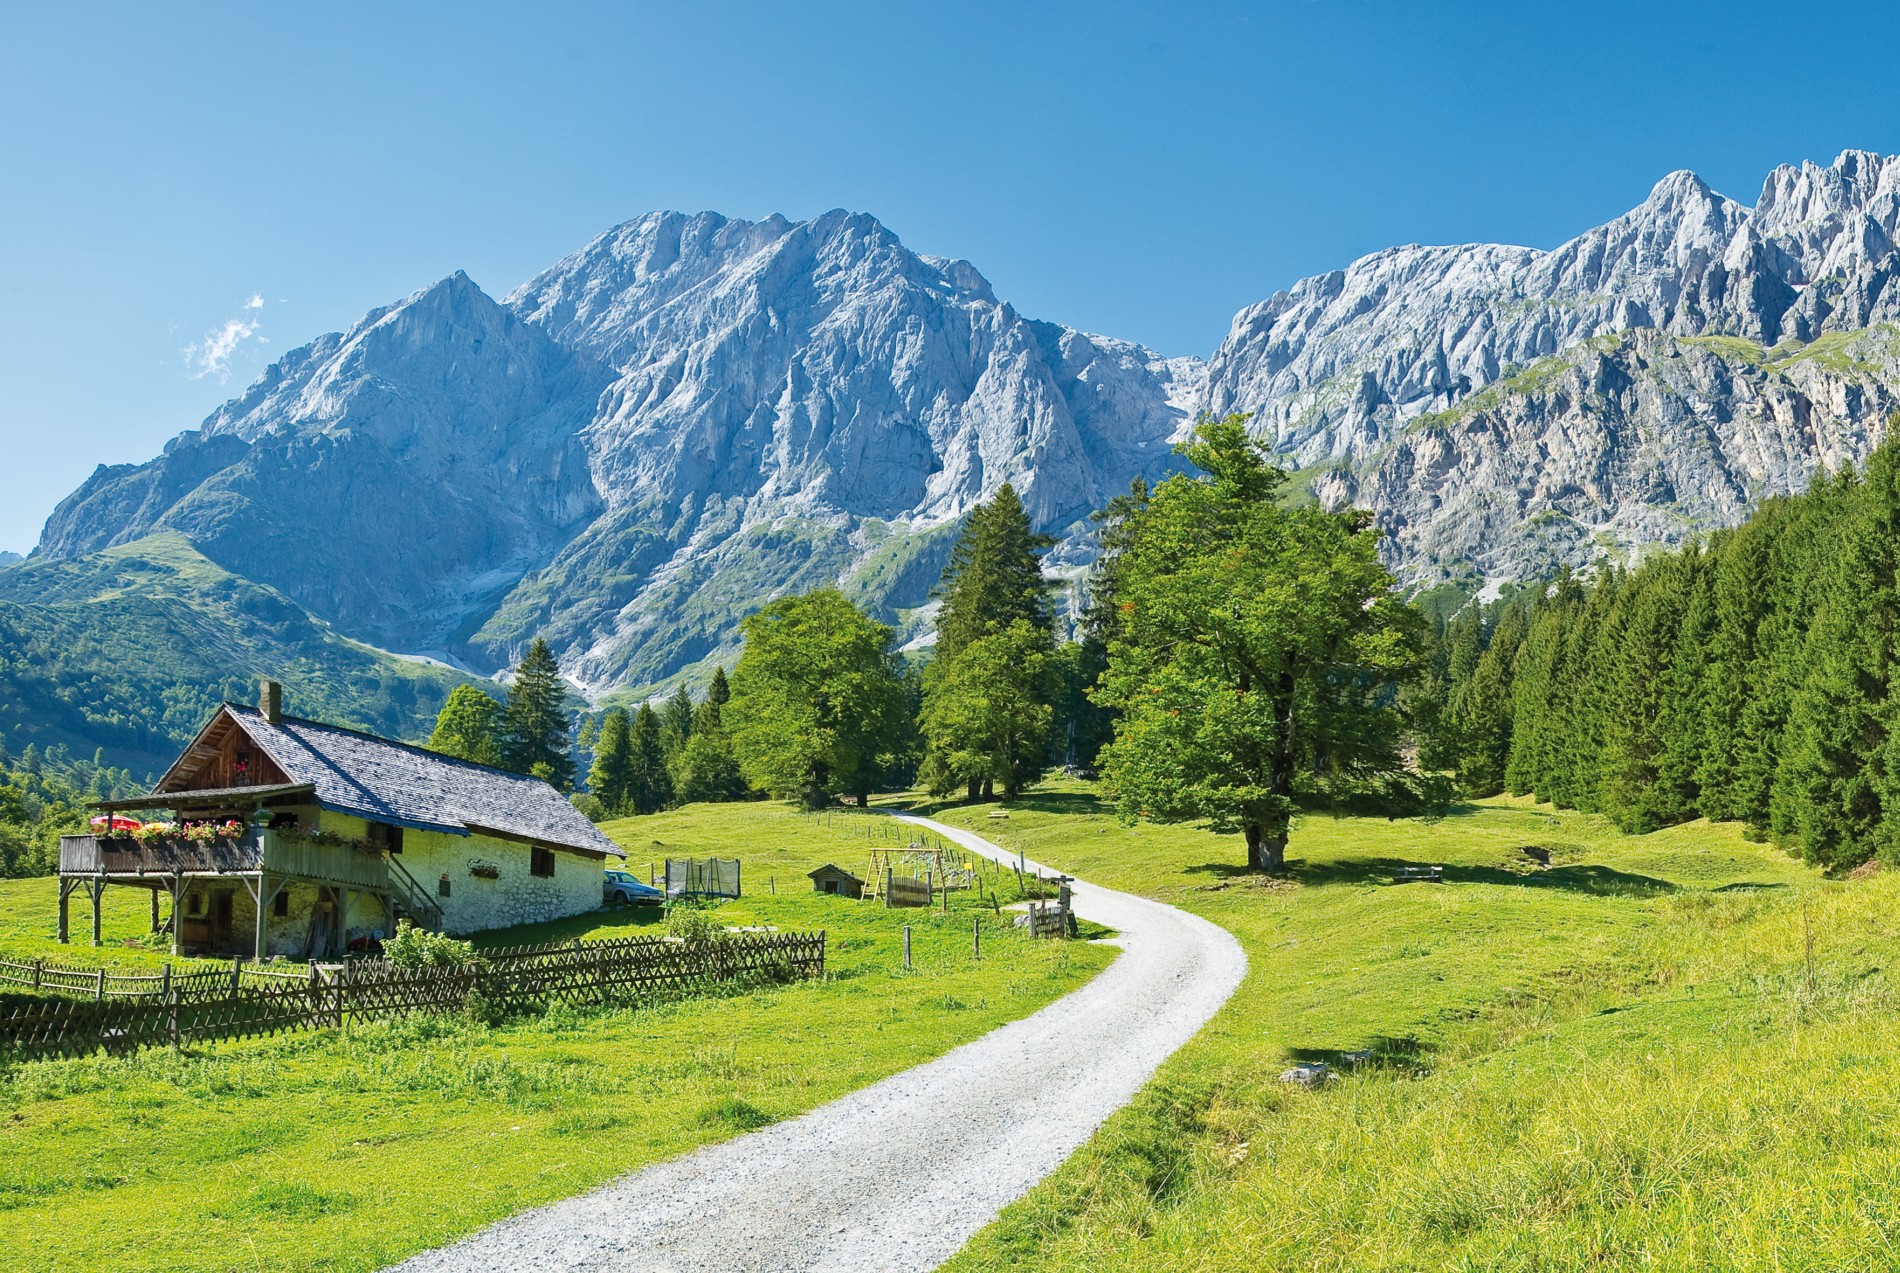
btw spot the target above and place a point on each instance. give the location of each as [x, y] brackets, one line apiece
[1748, 677]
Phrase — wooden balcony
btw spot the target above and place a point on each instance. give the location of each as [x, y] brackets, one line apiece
[271, 852]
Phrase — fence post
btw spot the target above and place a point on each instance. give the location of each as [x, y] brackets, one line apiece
[976, 937]
[39, 970]
[165, 985]
[237, 966]
[100, 996]
[907, 945]
[342, 976]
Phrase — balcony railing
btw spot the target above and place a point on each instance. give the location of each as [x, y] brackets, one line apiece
[271, 851]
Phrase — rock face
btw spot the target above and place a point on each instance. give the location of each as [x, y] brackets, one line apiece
[684, 418]
[693, 414]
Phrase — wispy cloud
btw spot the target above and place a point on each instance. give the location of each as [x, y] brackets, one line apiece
[212, 355]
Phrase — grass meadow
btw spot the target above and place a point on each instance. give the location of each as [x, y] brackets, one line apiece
[350, 1150]
[1673, 1051]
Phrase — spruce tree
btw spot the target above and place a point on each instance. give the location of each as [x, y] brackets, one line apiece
[676, 720]
[994, 576]
[650, 786]
[534, 722]
[611, 777]
[993, 592]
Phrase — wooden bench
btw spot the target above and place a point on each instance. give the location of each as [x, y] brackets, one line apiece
[1419, 875]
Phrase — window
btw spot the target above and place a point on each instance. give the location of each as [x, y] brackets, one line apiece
[442, 887]
[384, 836]
[280, 906]
[542, 862]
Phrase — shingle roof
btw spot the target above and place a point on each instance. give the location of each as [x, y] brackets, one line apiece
[393, 782]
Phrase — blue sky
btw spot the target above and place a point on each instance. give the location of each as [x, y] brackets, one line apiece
[187, 192]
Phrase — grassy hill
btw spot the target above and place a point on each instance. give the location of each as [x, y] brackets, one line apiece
[1674, 1050]
[129, 649]
[327, 1150]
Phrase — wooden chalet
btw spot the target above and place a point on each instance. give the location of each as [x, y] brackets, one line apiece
[292, 837]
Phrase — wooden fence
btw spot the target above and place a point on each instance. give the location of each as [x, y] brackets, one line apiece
[254, 1001]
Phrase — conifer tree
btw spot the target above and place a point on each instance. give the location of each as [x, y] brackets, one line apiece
[994, 575]
[650, 783]
[676, 720]
[612, 775]
[534, 722]
[994, 596]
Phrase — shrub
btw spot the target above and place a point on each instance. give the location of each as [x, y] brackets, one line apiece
[693, 925]
[414, 947]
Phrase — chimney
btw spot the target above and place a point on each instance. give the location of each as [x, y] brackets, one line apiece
[270, 701]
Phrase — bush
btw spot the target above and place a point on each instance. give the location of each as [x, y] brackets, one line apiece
[414, 947]
[694, 926]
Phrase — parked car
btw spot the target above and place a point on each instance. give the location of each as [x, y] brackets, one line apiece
[623, 887]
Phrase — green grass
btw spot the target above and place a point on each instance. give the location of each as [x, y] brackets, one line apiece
[1628, 1060]
[29, 928]
[352, 1150]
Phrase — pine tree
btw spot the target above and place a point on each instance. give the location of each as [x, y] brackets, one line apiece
[719, 693]
[467, 725]
[676, 720]
[611, 777]
[650, 782]
[534, 723]
[994, 576]
[993, 591]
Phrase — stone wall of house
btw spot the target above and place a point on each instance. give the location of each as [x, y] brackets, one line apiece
[475, 903]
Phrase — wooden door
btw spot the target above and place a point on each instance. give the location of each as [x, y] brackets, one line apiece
[221, 919]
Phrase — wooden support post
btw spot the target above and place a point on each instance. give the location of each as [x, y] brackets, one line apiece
[98, 891]
[154, 910]
[65, 899]
[976, 937]
[180, 886]
[257, 940]
[906, 946]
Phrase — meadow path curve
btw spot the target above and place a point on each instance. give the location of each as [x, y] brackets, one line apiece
[934, 1152]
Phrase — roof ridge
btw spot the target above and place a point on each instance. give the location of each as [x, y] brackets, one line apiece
[418, 748]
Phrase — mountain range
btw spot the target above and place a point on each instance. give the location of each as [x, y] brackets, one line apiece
[693, 413]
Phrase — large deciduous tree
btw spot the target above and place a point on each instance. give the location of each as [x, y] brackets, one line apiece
[817, 698]
[1258, 647]
[467, 726]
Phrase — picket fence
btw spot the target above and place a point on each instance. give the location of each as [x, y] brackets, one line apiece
[245, 1001]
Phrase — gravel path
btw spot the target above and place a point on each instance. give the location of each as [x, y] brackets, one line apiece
[899, 1175]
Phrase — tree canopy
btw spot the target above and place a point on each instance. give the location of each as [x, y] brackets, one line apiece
[985, 712]
[1258, 650]
[467, 727]
[817, 698]
[534, 722]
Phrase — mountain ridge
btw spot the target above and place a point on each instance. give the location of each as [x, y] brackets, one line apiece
[692, 413]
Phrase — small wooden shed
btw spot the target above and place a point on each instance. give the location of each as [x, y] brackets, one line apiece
[833, 879]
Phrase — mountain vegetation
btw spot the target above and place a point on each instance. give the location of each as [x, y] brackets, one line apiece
[1747, 679]
[130, 649]
[47, 794]
[692, 416]
[1260, 650]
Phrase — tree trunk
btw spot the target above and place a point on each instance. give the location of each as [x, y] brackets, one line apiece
[976, 790]
[818, 786]
[1266, 848]
[989, 788]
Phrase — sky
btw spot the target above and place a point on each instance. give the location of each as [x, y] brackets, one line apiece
[188, 192]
